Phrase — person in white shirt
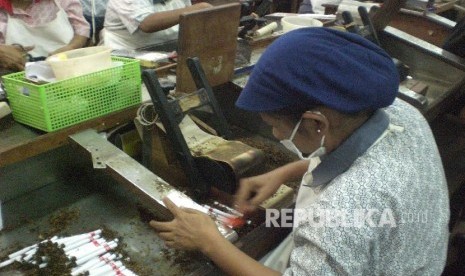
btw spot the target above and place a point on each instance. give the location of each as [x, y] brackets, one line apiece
[133, 24]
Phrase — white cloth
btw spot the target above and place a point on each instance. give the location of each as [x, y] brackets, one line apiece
[46, 38]
[119, 32]
[278, 259]
[306, 195]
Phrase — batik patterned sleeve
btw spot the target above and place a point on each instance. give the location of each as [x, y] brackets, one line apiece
[322, 248]
[396, 207]
[73, 9]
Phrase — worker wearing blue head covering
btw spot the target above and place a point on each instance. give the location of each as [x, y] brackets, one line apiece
[373, 197]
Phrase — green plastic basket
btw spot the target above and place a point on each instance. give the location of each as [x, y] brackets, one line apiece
[57, 105]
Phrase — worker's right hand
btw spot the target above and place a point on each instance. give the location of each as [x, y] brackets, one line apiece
[189, 230]
[13, 57]
[254, 190]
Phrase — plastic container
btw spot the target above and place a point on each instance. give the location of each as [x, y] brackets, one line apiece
[57, 105]
[293, 22]
[79, 62]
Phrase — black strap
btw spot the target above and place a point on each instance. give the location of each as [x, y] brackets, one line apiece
[455, 43]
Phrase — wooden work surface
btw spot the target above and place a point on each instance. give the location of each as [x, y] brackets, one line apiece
[19, 142]
[421, 28]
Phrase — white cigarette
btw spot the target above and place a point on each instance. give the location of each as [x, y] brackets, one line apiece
[22, 251]
[94, 263]
[104, 261]
[29, 255]
[7, 262]
[126, 272]
[78, 239]
[93, 254]
[219, 212]
[121, 271]
[106, 269]
[268, 29]
[112, 266]
[18, 257]
[90, 234]
[79, 243]
[231, 210]
[97, 251]
[43, 258]
[89, 245]
[85, 266]
[26, 249]
[66, 240]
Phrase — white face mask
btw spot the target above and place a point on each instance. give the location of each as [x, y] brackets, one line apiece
[288, 144]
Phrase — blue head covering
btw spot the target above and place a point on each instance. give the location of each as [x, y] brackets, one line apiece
[321, 66]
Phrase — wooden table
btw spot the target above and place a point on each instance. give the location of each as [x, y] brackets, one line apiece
[19, 142]
[421, 28]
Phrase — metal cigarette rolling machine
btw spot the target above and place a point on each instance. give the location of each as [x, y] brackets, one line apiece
[205, 159]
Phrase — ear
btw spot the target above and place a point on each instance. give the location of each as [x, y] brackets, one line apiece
[320, 122]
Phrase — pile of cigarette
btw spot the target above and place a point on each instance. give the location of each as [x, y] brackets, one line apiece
[228, 216]
[91, 253]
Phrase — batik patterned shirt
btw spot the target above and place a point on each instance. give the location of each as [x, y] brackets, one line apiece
[393, 200]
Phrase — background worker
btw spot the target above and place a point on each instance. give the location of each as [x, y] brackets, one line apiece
[49, 26]
[333, 104]
[132, 24]
[380, 18]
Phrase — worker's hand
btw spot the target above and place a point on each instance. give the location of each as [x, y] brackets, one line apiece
[201, 6]
[189, 230]
[77, 42]
[13, 57]
[254, 190]
[62, 49]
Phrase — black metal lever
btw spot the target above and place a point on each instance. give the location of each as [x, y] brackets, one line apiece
[199, 186]
[201, 82]
[370, 32]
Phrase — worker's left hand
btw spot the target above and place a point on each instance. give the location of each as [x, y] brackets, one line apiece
[189, 230]
[62, 49]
